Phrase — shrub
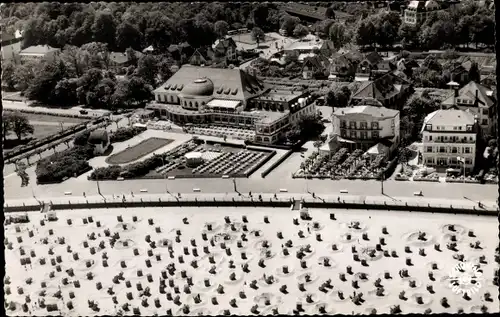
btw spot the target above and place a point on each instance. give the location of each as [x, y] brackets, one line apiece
[57, 167]
[81, 138]
[129, 171]
[123, 134]
[104, 173]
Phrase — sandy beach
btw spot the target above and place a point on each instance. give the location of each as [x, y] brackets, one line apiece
[199, 261]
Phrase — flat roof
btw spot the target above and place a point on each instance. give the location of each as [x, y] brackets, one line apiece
[220, 103]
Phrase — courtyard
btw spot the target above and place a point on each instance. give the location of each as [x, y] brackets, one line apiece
[137, 151]
[203, 158]
[247, 39]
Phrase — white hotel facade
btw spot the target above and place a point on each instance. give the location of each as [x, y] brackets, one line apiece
[448, 135]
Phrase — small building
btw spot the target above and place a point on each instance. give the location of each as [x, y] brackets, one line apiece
[368, 64]
[118, 59]
[417, 11]
[342, 68]
[100, 140]
[448, 135]
[39, 52]
[201, 56]
[362, 127]
[316, 67]
[225, 49]
[478, 100]
[11, 47]
[388, 90]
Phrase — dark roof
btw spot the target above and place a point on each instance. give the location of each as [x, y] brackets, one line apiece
[225, 43]
[228, 83]
[98, 136]
[469, 90]
[342, 59]
[380, 88]
[317, 61]
[327, 45]
[372, 57]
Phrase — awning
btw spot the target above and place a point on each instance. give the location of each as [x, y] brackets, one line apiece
[228, 104]
[340, 139]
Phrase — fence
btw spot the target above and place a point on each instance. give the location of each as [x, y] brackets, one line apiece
[245, 201]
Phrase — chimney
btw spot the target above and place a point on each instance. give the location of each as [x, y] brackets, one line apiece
[477, 92]
[456, 92]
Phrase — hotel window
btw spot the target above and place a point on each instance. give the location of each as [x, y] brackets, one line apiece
[467, 149]
[468, 161]
[353, 134]
[454, 149]
[442, 149]
[375, 125]
[375, 135]
[485, 111]
[364, 135]
[484, 122]
[343, 124]
[352, 124]
[363, 125]
[343, 133]
[429, 149]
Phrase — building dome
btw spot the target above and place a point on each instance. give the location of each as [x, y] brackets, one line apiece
[200, 87]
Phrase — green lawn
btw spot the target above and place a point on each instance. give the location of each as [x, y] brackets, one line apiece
[137, 151]
[49, 118]
[247, 39]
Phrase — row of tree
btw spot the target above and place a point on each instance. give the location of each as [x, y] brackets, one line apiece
[84, 76]
[136, 25]
[461, 25]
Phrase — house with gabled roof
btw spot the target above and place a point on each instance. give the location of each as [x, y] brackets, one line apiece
[225, 49]
[372, 64]
[316, 66]
[38, 52]
[388, 90]
[201, 56]
[478, 100]
[342, 68]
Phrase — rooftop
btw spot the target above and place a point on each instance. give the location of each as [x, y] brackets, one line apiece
[283, 95]
[38, 50]
[470, 90]
[377, 112]
[449, 117]
[228, 83]
[300, 45]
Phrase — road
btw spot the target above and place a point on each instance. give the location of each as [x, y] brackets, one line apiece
[256, 185]
[20, 105]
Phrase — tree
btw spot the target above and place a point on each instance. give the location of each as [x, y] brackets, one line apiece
[128, 35]
[404, 154]
[133, 92]
[20, 125]
[330, 99]
[6, 124]
[260, 14]
[64, 93]
[474, 74]
[330, 13]
[258, 35]
[131, 55]
[342, 97]
[42, 87]
[25, 73]
[289, 23]
[147, 69]
[221, 28]
[365, 34]
[104, 28]
[300, 31]
[310, 126]
[317, 144]
[21, 172]
[8, 75]
[337, 33]
[408, 35]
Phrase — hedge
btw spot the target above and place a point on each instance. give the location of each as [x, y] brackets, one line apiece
[68, 163]
[123, 134]
[133, 170]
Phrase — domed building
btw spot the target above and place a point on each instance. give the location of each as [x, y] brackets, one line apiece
[197, 94]
[231, 99]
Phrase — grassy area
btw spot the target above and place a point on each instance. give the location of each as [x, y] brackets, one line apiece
[49, 118]
[247, 39]
[137, 151]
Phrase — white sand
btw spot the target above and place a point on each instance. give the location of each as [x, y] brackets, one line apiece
[402, 231]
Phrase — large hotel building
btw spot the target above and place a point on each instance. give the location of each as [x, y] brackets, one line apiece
[230, 98]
